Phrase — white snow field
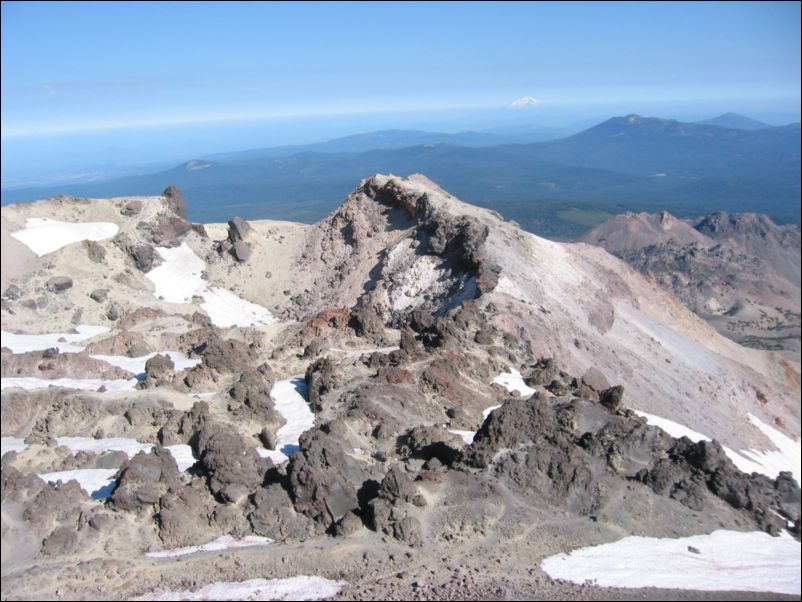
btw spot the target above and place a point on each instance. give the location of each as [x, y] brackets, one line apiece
[43, 235]
[180, 278]
[97, 482]
[486, 411]
[302, 587]
[467, 436]
[137, 364]
[513, 381]
[787, 457]
[227, 309]
[182, 454]
[9, 444]
[226, 542]
[22, 343]
[720, 561]
[83, 384]
[289, 397]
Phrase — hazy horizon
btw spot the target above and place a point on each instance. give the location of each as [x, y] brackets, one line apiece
[93, 89]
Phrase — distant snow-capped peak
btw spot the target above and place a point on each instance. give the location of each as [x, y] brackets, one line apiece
[524, 101]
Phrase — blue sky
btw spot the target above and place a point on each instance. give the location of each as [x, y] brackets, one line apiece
[77, 66]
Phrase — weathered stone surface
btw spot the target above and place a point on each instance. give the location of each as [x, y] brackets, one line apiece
[59, 284]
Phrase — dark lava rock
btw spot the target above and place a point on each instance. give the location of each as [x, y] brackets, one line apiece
[99, 295]
[12, 293]
[95, 251]
[396, 485]
[367, 322]
[132, 208]
[144, 479]
[158, 371]
[271, 514]
[143, 257]
[59, 284]
[391, 512]
[224, 355]
[427, 442]
[113, 312]
[324, 478]
[592, 383]
[611, 398]
[320, 379]
[175, 201]
[241, 251]
[252, 391]
[233, 469]
[238, 230]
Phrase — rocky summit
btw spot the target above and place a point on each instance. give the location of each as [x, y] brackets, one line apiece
[410, 399]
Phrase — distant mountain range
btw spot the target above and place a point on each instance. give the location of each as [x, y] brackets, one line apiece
[735, 122]
[555, 188]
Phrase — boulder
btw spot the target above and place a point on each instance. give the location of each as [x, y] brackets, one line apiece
[59, 284]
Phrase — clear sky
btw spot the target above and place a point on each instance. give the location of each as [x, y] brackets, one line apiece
[75, 66]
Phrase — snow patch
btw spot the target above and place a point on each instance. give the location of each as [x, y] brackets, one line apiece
[301, 587]
[226, 542]
[182, 454]
[513, 381]
[467, 436]
[43, 235]
[97, 482]
[726, 561]
[486, 412]
[227, 309]
[9, 444]
[672, 428]
[22, 343]
[289, 397]
[787, 457]
[180, 278]
[769, 463]
[131, 447]
[83, 384]
[137, 364]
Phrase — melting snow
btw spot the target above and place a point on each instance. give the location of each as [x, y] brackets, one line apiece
[289, 397]
[226, 542]
[137, 364]
[787, 457]
[227, 309]
[467, 436]
[513, 381]
[672, 428]
[83, 384]
[8, 444]
[22, 343]
[182, 454]
[726, 561]
[97, 482]
[130, 446]
[486, 411]
[301, 587]
[42, 235]
[769, 463]
[180, 278]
